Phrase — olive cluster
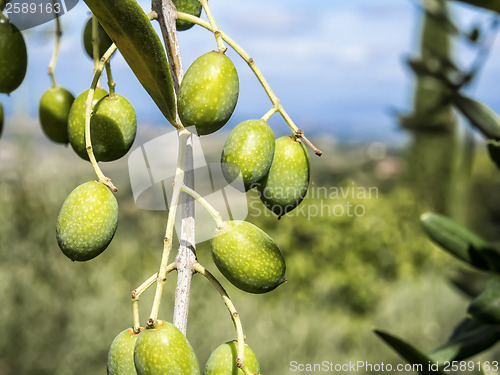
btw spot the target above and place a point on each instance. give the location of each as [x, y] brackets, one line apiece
[247, 256]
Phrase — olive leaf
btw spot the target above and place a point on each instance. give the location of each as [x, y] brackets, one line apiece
[468, 339]
[494, 151]
[485, 308]
[130, 29]
[460, 242]
[479, 115]
[409, 353]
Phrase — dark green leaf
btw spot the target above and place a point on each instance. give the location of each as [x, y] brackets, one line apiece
[485, 4]
[408, 352]
[460, 242]
[130, 29]
[468, 339]
[494, 151]
[480, 115]
[485, 308]
[470, 281]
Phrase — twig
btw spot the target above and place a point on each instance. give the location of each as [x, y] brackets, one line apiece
[277, 107]
[214, 27]
[169, 231]
[211, 210]
[55, 53]
[88, 113]
[240, 361]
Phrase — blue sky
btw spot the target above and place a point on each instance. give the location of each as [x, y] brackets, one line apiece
[337, 66]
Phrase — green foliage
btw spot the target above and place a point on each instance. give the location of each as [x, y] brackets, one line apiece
[355, 257]
[467, 340]
[494, 151]
[208, 93]
[248, 257]
[131, 30]
[248, 150]
[480, 115]
[53, 113]
[485, 308]
[13, 58]
[408, 352]
[460, 242]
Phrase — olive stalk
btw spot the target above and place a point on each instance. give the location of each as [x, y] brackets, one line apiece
[55, 53]
[136, 294]
[214, 27]
[88, 114]
[111, 82]
[211, 210]
[95, 42]
[169, 231]
[269, 113]
[240, 361]
[277, 106]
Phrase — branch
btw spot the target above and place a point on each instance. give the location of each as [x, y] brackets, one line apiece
[186, 256]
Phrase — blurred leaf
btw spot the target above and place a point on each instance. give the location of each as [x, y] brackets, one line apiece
[471, 282]
[408, 352]
[424, 122]
[494, 151]
[434, 66]
[468, 339]
[485, 4]
[132, 32]
[485, 308]
[480, 115]
[418, 67]
[460, 242]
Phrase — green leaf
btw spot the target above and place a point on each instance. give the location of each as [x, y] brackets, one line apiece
[479, 115]
[460, 242]
[131, 30]
[468, 339]
[485, 4]
[470, 282]
[485, 308]
[408, 352]
[494, 151]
